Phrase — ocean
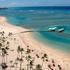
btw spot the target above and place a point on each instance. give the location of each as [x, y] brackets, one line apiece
[42, 18]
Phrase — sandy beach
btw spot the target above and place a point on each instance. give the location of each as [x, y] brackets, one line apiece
[26, 39]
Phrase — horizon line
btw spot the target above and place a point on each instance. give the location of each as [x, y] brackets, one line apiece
[36, 6]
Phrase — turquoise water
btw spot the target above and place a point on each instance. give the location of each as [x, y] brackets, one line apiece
[41, 18]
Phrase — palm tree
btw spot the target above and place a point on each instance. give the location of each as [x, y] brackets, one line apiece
[12, 66]
[20, 50]
[49, 66]
[6, 54]
[37, 56]
[60, 68]
[4, 66]
[28, 57]
[23, 69]
[16, 63]
[0, 45]
[28, 60]
[44, 58]
[38, 67]
[21, 60]
[31, 64]
[3, 54]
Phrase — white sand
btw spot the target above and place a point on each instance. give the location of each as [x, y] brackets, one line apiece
[27, 39]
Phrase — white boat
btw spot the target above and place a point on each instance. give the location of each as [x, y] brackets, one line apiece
[61, 30]
[52, 29]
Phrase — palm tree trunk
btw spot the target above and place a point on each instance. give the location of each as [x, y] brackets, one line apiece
[16, 67]
[42, 62]
[27, 66]
[30, 68]
[21, 61]
[6, 58]
[20, 65]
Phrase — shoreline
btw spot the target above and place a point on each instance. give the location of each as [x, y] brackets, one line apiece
[28, 38]
[45, 43]
[53, 53]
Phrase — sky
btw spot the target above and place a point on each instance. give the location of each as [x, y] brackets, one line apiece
[14, 3]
